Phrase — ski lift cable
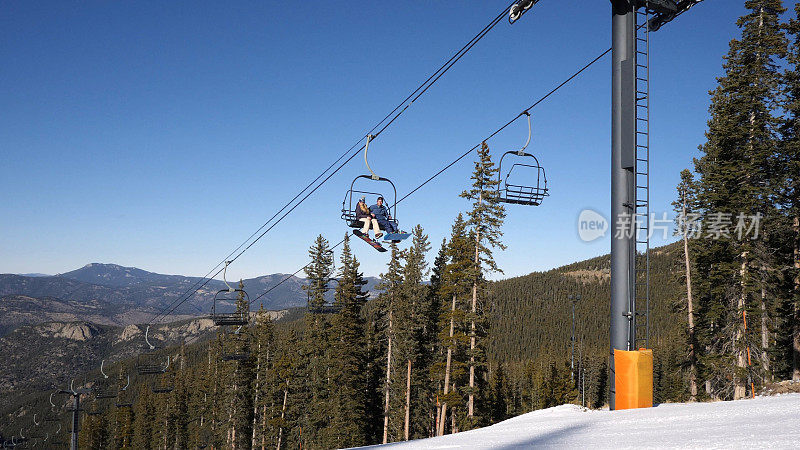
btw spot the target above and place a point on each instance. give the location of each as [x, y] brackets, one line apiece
[525, 112]
[402, 107]
[378, 133]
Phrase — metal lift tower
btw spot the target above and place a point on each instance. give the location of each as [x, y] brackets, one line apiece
[632, 22]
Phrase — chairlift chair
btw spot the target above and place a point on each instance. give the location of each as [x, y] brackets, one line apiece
[51, 415]
[234, 346]
[325, 308]
[164, 384]
[226, 297]
[348, 206]
[103, 388]
[229, 296]
[519, 193]
[95, 408]
[149, 361]
[121, 402]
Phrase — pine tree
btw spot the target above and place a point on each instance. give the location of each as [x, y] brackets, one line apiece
[685, 206]
[419, 332]
[485, 222]
[316, 345]
[457, 281]
[389, 301]
[433, 344]
[499, 411]
[740, 140]
[789, 196]
[263, 344]
[348, 357]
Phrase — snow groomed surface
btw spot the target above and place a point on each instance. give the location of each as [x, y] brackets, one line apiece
[763, 422]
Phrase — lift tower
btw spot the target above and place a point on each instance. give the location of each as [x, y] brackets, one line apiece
[632, 22]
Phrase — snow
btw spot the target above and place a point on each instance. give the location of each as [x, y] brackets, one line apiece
[763, 422]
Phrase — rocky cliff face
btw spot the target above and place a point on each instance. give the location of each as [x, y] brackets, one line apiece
[72, 331]
[44, 356]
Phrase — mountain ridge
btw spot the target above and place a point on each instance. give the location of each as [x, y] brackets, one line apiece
[111, 294]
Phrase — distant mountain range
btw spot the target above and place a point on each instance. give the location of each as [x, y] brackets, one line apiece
[115, 295]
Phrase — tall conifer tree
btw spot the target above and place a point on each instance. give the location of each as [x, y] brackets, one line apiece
[485, 223]
[740, 140]
[348, 361]
[789, 161]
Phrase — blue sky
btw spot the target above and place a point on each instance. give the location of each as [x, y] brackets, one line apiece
[162, 134]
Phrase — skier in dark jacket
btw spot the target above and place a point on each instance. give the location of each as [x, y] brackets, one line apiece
[381, 213]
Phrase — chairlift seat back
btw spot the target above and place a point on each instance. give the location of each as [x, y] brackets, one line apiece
[352, 196]
[235, 318]
[529, 192]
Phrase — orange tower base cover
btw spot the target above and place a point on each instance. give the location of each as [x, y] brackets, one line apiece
[633, 378]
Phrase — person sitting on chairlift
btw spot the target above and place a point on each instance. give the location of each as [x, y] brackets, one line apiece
[381, 214]
[363, 214]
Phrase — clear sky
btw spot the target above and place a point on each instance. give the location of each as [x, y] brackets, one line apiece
[162, 134]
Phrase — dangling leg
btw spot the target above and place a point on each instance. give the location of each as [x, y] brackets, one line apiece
[377, 228]
[365, 228]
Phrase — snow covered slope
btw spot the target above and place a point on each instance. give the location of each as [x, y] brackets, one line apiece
[763, 422]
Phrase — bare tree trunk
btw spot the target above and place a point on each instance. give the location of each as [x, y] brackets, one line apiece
[408, 399]
[264, 424]
[796, 302]
[447, 367]
[388, 379]
[764, 334]
[438, 414]
[690, 308]
[255, 399]
[474, 309]
[739, 387]
[283, 414]
[453, 424]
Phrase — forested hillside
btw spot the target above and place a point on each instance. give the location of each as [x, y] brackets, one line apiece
[436, 348]
[531, 326]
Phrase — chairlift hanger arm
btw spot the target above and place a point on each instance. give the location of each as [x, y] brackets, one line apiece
[665, 11]
[518, 9]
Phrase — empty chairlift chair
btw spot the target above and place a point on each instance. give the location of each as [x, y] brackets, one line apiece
[104, 388]
[164, 384]
[52, 414]
[317, 307]
[235, 346]
[227, 299]
[525, 182]
[123, 398]
[150, 361]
